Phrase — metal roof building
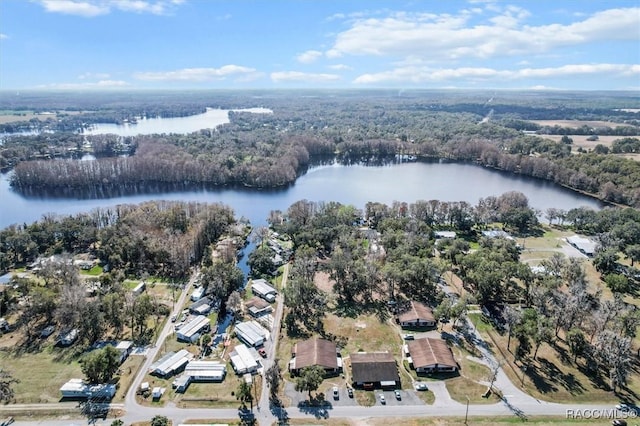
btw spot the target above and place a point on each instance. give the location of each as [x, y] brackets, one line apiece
[200, 371]
[251, 333]
[243, 360]
[584, 244]
[190, 330]
[77, 388]
[171, 363]
[261, 288]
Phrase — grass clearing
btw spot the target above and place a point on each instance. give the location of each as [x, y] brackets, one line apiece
[42, 373]
[94, 271]
[460, 388]
[364, 333]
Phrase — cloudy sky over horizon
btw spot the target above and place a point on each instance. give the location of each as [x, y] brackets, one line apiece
[242, 44]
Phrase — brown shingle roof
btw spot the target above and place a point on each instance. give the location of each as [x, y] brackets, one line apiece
[426, 352]
[417, 311]
[374, 367]
[257, 302]
[316, 352]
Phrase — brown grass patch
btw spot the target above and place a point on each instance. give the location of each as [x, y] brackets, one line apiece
[323, 282]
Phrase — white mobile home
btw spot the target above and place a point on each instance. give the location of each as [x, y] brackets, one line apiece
[262, 289]
[171, 363]
[125, 347]
[200, 371]
[197, 294]
[243, 360]
[251, 333]
[77, 388]
[192, 329]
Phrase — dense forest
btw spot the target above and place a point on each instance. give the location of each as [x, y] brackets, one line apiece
[270, 150]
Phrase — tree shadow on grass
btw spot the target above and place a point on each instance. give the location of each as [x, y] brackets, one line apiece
[546, 376]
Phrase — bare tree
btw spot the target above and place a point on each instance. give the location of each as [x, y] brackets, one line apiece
[615, 355]
[6, 386]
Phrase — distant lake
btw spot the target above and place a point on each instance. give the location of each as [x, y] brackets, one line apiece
[179, 125]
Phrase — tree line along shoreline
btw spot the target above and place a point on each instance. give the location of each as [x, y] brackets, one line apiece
[273, 150]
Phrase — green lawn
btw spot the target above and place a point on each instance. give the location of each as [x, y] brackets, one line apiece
[42, 373]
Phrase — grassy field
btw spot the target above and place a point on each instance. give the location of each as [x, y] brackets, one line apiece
[41, 373]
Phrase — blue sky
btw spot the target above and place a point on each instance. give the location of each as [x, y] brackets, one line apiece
[242, 44]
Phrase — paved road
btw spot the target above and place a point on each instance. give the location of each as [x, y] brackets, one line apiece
[264, 415]
[130, 400]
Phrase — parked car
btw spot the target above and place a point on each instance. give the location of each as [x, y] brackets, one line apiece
[262, 352]
[409, 337]
[350, 392]
[421, 386]
[624, 407]
[174, 318]
[382, 399]
[336, 393]
[398, 395]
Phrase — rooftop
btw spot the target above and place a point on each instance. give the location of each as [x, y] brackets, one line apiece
[425, 352]
[316, 352]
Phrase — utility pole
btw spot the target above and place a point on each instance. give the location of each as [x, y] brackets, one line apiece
[466, 414]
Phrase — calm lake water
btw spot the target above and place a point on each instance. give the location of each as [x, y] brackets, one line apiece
[353, 184]
[181, 125]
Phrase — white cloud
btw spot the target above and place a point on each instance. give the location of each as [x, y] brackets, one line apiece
[73, 7]
[415, 74]
[3, 36]
[102, 84]
[198, 74]
[309, 56]
[286, 76]
[94, 76]
[91, 8]
[437, 37]
[340, 67]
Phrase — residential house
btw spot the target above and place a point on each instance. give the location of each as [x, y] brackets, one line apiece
[251, 333]
[171, 363]
[416, 315]
[257, 307]
[374, 370]
[318, 352]
[244, 360]
[261, 288]
[78, 389]
[191, 330]
[430, 356]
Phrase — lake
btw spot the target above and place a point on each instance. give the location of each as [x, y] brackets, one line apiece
[353, 184]
[212, 118]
